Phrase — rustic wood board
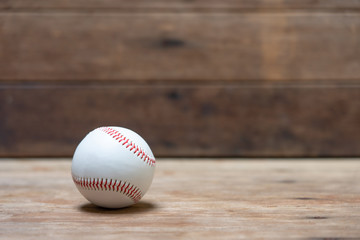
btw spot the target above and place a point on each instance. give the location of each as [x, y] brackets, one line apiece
[185, 120]
[179, 46]
[252, 57]
[189, 199]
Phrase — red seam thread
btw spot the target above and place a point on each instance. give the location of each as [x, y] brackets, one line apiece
[119, 137]
[109, 185]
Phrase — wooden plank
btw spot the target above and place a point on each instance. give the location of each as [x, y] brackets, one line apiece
[189, 199]
[212, 119]
[163, 5]
[186, 46]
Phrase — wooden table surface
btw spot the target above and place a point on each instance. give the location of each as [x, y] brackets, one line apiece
[189, 199]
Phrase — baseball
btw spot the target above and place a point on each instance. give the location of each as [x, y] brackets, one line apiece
[113, 167]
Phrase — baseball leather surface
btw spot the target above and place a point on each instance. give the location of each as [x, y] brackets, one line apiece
[113, 167]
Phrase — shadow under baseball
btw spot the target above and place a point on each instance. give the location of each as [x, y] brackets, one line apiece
[140, 207]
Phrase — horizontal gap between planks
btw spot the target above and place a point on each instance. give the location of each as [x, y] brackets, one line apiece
[234, 10]
[69, 84]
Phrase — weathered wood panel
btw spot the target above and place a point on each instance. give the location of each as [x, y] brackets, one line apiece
[163, 5]
[185, 120]
[189, 199]
[186, 46]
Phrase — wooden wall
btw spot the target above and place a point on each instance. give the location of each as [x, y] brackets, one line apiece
[195, 78]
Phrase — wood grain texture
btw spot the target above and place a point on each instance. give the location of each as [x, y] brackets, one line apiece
[165, 5]
[181, 46]
[179, 119]
[189, 199]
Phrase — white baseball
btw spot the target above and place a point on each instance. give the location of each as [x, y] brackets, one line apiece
[113, 167]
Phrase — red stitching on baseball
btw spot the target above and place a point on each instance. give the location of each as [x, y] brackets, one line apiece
[109, 185]
[105, 184]
[120, 138]
[97, 184]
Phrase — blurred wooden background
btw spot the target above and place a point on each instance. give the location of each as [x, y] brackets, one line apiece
[195, 78]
